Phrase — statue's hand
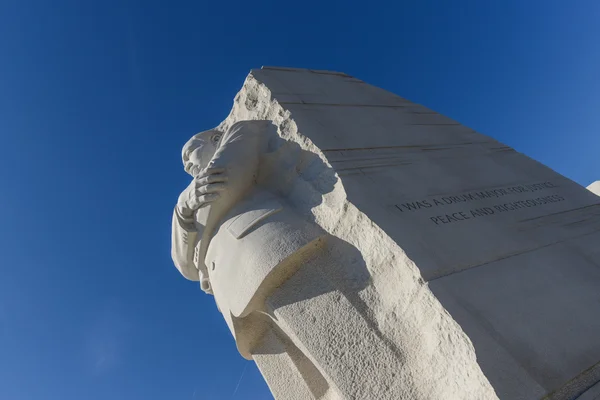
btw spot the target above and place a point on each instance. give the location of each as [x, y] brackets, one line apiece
[203, 190]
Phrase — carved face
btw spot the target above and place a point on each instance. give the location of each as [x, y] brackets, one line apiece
[199, 150]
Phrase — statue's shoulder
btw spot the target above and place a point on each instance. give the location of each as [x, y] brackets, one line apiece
[248, 129]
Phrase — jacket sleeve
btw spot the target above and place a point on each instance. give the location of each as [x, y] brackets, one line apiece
[183, 240]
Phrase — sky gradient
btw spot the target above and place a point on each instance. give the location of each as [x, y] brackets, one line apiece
[97, 98]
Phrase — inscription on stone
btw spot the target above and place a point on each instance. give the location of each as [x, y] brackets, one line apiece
[506, 205]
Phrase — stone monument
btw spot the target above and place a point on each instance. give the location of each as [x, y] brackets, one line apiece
[360, 246]
[595, 188]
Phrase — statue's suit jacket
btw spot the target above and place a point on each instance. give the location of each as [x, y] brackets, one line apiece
[260, 244]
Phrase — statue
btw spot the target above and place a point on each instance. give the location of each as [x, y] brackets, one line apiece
[290, 292]
[236, 238]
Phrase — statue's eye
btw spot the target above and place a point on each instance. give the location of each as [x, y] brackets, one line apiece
[215, 138]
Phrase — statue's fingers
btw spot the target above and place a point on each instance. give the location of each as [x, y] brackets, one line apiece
[192, 199]
[210, 171]
[208, 198]
[205, 180]
[211, 188]
[194, 203]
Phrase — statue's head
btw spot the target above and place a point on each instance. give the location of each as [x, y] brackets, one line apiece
[199, 150]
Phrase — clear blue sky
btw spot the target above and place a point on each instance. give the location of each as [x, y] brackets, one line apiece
[97, 98]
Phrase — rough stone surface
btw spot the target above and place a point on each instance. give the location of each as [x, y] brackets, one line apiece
[452, 267]
[592, 394]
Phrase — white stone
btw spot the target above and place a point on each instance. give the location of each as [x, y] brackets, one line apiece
[595, 188]
[365, 247]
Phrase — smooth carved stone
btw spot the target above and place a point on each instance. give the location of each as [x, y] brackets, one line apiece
[360, 246]
[595, 188]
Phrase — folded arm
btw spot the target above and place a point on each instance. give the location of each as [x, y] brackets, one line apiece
[183, 241]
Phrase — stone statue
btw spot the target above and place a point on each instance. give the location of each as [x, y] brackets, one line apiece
[237, 238]
[288, 290]
[360, 246]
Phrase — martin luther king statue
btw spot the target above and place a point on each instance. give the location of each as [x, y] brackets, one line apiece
[290, 292]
